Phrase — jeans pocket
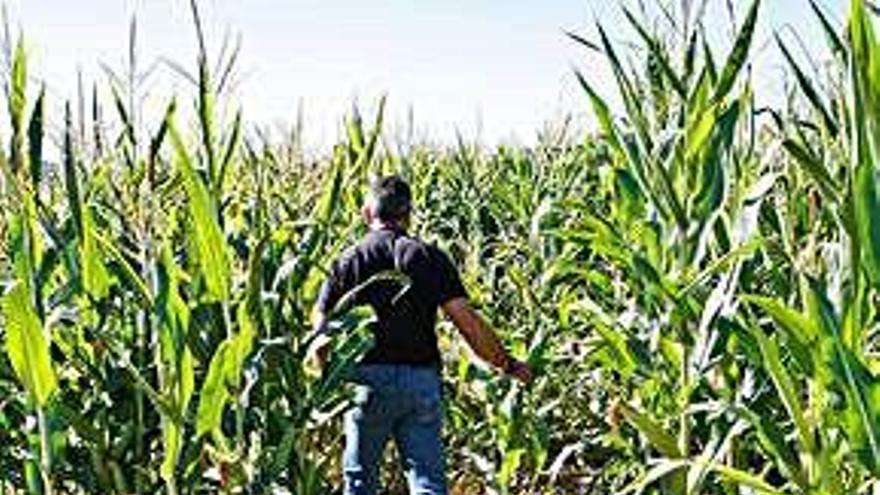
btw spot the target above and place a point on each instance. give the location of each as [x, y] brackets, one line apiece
[429, 401]
[429, 410]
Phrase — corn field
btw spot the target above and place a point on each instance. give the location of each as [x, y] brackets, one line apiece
[696, 282]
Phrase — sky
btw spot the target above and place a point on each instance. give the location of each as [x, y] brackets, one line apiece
[496, 70]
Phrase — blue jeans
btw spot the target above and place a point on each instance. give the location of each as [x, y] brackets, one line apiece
[401, 402]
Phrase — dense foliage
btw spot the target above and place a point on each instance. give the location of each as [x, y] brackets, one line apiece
[697, 285]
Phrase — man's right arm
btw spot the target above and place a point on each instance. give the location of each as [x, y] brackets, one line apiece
[328, 296]
[482, 340]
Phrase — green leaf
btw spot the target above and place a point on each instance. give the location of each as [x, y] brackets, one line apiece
[745, 479]
[738, 55]
[207, 237]
[26, 344]
[773, 440]
[619, 354]
[808, 89]
[633, 103]
[369, 151]
[17, 100]
[785, 387]
[36, 131]
[583, 41]
[95, 277]
[659, 53]
[710, 192]
[344, 356]
[860, 386]
[158, 139]
[867, 216]
[71, 183]
[656, 434]
[660, 470]
[865, 77]
[814, 168]
[801, 334]
[26, 242]
[232, 145]
[172, 311]
[834, 40]
[171, 443]
[630, 153]
[794, 322]
[224, 375]
[603, 113]
[700, 130]
[862, 416]
[509, 464]
[176, 361]
[214, 394]
[206, 104]
[127, 274]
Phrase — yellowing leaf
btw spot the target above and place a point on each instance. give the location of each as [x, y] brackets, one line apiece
[26, 345]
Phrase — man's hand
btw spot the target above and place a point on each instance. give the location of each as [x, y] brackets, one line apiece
[318, 352]
[483, 340]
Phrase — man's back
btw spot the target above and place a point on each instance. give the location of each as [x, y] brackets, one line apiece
[399, 385]
[406, 315]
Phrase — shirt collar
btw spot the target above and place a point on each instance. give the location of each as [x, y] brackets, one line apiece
[387, 227]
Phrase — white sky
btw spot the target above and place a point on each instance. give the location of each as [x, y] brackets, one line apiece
[500, 67]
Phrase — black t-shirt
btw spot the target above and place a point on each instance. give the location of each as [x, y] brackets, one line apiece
[404, 330]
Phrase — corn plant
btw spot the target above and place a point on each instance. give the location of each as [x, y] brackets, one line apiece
[746, 225]
[695, 283]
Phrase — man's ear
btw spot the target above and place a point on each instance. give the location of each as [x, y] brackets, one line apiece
[406, 221]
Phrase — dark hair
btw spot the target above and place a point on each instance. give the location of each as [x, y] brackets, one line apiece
[392, 198]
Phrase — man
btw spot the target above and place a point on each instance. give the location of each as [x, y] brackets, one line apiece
[400, 387]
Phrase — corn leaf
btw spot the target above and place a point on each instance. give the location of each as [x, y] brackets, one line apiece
[71, 183]
[36, 132]
[809, 90]
[738, 55]
[176, 361]
[603, 113]
[785, 386]
[699, 132]
[208, 239]
[866, 204]
[583, 41]
[814, 168]
[659, 53]
[831, 34]
[862, 416]
[26, 344]
[126, 273]
[794, 322]
[660, 470]
[224, 374]
[860, 386]
[745, 479]
[95, 277]
[656, 434]
[17, 100]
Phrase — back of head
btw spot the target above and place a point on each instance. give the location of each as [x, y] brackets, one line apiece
[391, 198]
